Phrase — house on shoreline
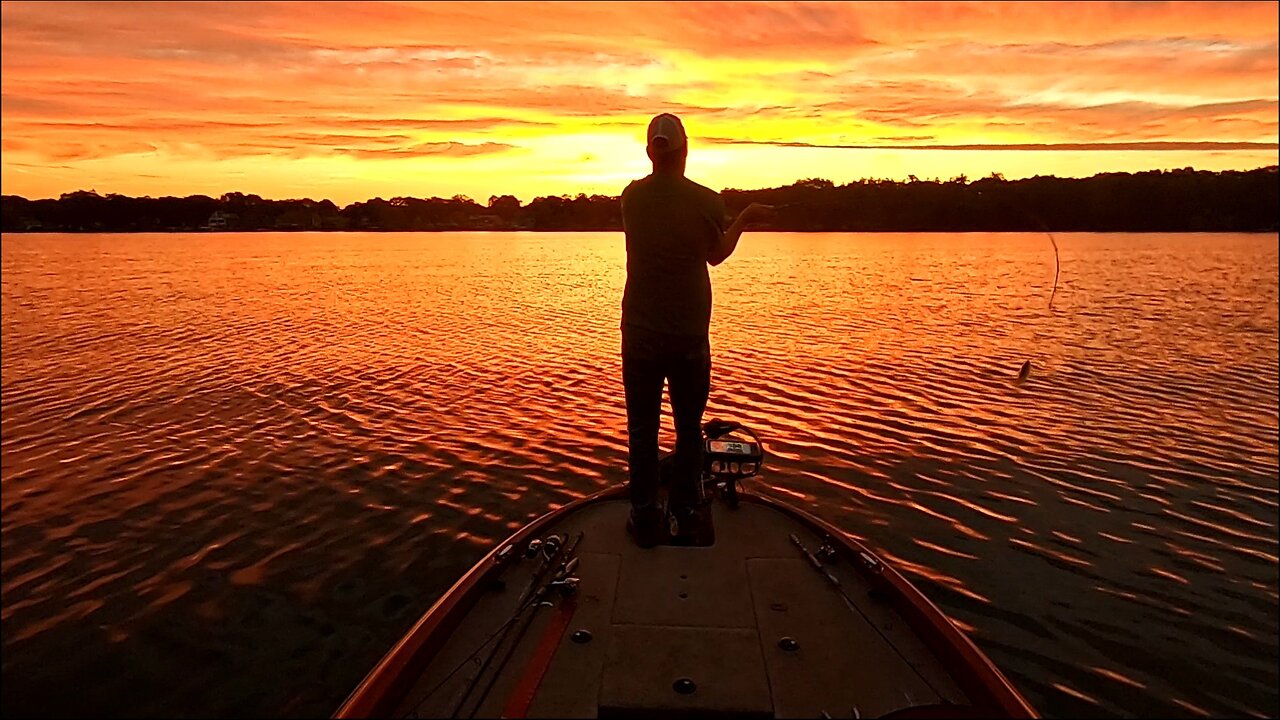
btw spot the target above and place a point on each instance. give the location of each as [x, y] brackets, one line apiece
[219, 221]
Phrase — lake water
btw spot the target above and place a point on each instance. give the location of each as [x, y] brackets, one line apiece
[237, 467]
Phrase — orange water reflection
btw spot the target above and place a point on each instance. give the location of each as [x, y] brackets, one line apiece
[321, 432]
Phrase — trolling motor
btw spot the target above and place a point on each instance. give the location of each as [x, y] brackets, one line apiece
[730, 452]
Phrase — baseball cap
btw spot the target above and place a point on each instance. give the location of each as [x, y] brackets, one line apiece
[667, 127]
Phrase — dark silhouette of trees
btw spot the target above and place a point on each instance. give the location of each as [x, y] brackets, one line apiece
[505, 210]
[1170, 201]
[405, 213]
[597, 212]
[1183, 200]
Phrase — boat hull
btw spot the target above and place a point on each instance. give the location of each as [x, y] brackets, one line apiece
[749, 626]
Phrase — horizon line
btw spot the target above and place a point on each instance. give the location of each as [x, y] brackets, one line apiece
[793, 183]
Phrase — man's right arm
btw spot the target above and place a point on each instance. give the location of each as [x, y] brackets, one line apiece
[728, 242]
[622, 204]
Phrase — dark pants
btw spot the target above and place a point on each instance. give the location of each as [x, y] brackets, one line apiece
[684, 362]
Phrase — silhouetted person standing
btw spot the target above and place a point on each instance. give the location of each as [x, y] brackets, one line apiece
[674, 229]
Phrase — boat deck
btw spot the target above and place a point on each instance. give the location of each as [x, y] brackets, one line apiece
[683, 631]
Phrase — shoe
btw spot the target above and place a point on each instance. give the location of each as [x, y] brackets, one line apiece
[645, 526]
[693, 525]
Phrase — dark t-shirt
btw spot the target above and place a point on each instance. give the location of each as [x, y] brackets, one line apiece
[671, 224]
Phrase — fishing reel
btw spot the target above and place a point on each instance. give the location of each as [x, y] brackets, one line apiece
[730, 452]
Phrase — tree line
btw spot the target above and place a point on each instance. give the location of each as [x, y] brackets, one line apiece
[1184, 200]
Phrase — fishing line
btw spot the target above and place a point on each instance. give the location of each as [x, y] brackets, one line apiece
[1057, 264]
[472, 657]
[1025, 371]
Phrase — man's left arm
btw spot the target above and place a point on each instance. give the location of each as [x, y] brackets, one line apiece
[728, 242]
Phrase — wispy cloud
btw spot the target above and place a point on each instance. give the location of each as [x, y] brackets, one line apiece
[430, 149]
[1054, 147]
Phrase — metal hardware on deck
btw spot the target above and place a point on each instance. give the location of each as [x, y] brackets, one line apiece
[826, 552]
[684, 686]
[581, 636]
[789, 644]
[871, 563]
[532, 549]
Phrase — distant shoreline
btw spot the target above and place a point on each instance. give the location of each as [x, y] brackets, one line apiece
[1185, 200]
[1270, 231]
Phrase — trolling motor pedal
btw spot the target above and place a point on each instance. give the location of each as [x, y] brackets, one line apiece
[730, 452]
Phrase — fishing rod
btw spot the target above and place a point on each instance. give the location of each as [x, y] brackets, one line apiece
[835, 583]
[549, 550]
[552, 549]
[560, 579]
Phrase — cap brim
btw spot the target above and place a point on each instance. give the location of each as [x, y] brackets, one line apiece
[662, 143]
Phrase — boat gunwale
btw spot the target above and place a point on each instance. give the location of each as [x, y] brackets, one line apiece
[972, 670]
[384, 687]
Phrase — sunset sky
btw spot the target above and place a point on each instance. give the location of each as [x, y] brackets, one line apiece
[350, 101]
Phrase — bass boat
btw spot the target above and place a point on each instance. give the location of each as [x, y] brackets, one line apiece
[766, 611]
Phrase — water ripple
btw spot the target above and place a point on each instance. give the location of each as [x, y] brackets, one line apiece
[273, 452]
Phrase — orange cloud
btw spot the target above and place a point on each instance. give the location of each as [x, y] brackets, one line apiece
[449, 149]
[511, 94]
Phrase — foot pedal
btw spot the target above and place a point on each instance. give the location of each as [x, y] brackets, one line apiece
[692, 527]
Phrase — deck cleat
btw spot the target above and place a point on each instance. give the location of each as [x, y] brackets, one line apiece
[827, 553]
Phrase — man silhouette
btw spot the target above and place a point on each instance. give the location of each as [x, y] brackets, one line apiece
[674, 229]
